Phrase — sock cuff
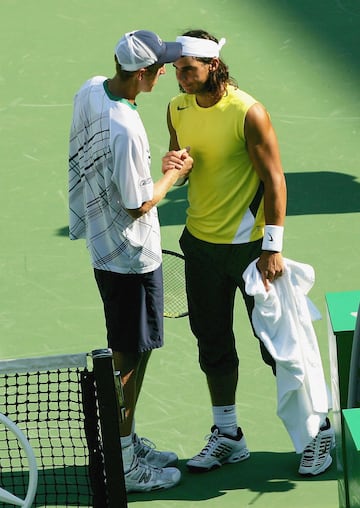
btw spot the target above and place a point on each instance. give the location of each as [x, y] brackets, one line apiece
[223, 410]
[225, 419]
[126, 441]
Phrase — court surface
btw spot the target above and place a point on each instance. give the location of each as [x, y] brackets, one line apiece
[301, 59]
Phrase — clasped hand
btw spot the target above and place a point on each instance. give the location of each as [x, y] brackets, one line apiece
[178, 159]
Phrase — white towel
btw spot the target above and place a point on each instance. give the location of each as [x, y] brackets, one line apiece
[282, 318]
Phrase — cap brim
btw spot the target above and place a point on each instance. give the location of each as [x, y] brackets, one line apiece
[172, 52]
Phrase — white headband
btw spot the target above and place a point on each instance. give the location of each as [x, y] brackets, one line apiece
[203, 48]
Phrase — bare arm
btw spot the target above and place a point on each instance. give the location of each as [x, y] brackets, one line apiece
[264, 153]
[174, 144]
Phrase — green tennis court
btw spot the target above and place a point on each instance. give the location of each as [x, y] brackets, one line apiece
[301, 59]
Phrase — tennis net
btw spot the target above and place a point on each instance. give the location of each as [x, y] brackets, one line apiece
[53, 401]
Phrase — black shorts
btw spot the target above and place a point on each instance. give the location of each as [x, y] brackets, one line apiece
[213, 273]
[133, 307]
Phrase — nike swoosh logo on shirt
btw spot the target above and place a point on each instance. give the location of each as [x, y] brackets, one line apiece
[179, 108]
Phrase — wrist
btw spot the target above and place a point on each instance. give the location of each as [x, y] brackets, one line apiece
[273, 238]
[172, 175]
[180, 181]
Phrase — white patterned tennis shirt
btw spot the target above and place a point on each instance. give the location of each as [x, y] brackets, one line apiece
[109, 172]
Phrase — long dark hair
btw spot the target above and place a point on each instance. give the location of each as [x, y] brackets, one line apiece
[218, 78]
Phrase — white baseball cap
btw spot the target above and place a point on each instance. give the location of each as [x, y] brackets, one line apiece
[142, 48]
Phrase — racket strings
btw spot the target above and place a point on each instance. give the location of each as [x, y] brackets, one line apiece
[175, 301]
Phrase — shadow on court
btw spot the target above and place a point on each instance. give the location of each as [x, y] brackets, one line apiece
[318, 192]
[68, 486]
[334, 23]
[322, 192]
[263, 473]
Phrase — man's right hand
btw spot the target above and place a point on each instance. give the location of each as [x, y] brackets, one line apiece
[177, 159]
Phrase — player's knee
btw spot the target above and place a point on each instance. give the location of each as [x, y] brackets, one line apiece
[220, 364]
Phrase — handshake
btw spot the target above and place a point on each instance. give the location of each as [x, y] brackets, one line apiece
[179, 160]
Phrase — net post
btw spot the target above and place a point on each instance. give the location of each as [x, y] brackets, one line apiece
[109, 410]
[91, 428]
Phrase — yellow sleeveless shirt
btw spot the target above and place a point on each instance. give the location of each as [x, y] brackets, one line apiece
[225, 193]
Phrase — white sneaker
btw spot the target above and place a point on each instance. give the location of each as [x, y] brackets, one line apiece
[220, 449]
[145, 450]
[316, 457]
[143, 478]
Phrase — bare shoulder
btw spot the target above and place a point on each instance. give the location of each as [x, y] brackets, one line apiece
[257, 121]
[257, 113]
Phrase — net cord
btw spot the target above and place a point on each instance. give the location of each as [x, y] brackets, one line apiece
[43, 363]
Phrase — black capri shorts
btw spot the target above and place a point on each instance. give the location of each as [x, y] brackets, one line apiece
[133, 307]
[213, 273]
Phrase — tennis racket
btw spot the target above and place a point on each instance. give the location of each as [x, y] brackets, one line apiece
[175, 301]
[6, 496]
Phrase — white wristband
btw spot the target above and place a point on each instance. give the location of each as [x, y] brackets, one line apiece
[273, 238]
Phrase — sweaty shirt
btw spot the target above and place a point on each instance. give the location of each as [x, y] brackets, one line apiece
[225, 193]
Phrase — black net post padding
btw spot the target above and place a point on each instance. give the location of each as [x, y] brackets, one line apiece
[109, 411]
[92, 433]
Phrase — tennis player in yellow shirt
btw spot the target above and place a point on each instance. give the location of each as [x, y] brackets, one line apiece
[236, 214]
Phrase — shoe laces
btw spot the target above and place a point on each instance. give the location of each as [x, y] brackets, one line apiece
[212, 442]
[147, 443]
[144, 446]
[309, 451]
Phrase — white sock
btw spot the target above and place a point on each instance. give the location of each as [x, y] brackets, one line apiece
[225, 419]
[127, 450]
